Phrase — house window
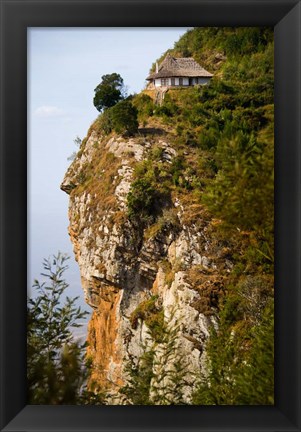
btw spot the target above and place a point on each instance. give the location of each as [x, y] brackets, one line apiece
[164, 81]
[173, 81]
[180, 81]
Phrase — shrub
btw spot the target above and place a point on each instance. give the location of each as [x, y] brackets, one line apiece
[141, 200]
[144, 105]
[153, 316]
[121, 118]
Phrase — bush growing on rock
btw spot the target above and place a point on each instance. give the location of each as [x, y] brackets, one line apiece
[141, 200]
[123, 118]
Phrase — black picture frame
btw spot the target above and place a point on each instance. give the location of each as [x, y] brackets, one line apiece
[16, 16]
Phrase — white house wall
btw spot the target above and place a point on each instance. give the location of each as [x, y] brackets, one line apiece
[185, 81]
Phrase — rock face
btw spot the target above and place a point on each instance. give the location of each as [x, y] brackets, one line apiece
[140, 279]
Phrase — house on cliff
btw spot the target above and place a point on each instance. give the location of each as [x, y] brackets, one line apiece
[178, 72]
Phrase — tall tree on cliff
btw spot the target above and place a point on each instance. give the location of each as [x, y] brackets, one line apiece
[109, 91]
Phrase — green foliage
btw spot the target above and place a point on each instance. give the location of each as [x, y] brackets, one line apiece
[141, 200]
[242, 191]
[170, 368]
[231, 41]
[160, 375]
[123, 118]
[245, 42]
[144, 105]
[56, 367]
[109, 91]
[140, 375]
[104, 122]
[240, 358]
[152, 314]
[167, 109]
[149, 192]
[256, 377]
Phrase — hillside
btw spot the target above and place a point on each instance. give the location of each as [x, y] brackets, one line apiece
[172, 229]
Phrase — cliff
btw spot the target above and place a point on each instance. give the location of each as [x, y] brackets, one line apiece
[140, 278]
[173, 232]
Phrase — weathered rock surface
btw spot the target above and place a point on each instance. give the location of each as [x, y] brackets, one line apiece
[121, 266]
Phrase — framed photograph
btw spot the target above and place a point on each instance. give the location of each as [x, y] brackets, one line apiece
[171, 201]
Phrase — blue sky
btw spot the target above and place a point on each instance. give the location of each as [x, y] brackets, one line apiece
[64, 67]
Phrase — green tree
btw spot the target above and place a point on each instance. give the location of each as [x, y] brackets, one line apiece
[255, 379]
[170, 368]
[141, 200]
[242, 191]
[56, 367]
[140, 375]
[240, 360]
[123, 118]
[160, 375]
[109, 91]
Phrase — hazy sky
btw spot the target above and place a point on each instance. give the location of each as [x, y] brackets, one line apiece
[64, 67]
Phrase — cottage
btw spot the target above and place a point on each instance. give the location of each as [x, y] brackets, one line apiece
[178, 72]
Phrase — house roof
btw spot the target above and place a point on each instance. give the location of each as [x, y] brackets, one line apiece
[179, 67]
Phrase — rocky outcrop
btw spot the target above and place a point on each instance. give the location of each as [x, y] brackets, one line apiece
[139, 279]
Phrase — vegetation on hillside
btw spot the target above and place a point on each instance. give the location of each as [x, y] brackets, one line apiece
[121, 118]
